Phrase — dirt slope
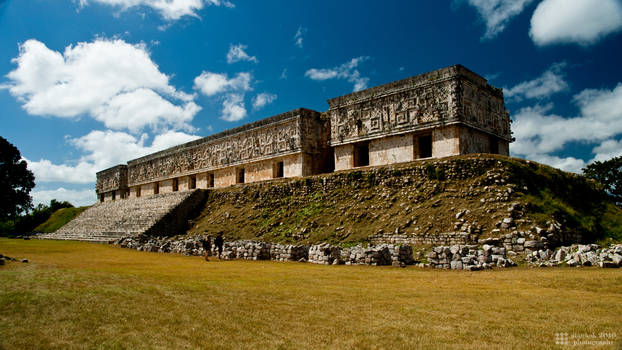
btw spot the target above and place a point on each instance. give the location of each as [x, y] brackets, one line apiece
[475, 196]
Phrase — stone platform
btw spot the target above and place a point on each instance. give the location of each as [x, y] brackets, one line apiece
[160, 215]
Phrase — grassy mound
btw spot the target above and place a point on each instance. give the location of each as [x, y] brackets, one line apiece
[59, 218]
[81, 295]
[418, 198]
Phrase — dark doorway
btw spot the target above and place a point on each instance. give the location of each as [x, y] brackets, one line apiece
[101, 197]
[138, 191]
[425, 146]
[175, 185]
[193, 182]
[210, 181]
[361, 154]
[278, 169]
[494, 145]
[114, 195]
[240, 177]
[156, 188]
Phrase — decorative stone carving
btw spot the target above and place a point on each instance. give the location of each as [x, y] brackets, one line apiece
[282, 137]
[112, 179]
[449, 95]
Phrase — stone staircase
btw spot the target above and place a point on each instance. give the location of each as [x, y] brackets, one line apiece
[160, 215]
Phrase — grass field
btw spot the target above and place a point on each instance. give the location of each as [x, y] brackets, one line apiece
[80, 295]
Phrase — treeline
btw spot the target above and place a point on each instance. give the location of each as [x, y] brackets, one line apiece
[26, 223]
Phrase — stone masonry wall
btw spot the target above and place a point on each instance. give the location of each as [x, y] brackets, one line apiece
[288, 133]
[442, 97]
[326, 254]
[112, 179]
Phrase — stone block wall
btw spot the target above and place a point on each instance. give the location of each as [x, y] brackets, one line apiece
[112, 183]
[344, 157]
[298, 138]
[456, 106]
[391, 150]
[324, 253]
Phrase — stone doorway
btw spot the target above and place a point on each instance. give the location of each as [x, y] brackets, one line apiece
[240, 176]
[361, 154]
[425, 146]
[278, 170]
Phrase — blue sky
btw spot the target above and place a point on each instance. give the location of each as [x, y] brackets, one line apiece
[88, 84]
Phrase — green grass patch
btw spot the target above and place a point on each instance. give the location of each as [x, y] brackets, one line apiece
[59, 218]
[80, 295]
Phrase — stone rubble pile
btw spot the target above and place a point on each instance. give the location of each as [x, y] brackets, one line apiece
[492, 253]
[327, 254]
[578, 255]
[376, 255]
[324, 253]
[467, 257]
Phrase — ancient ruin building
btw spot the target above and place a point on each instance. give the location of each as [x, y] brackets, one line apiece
[450, 111]
[446, 112]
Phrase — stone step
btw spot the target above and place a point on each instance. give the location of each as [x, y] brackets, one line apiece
[107, 221]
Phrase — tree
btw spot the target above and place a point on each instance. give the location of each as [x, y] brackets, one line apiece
[608, 174]
[37, 216]
[16, 181]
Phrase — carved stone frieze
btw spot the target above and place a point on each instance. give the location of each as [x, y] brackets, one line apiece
[111, 179]
[403, 110]
[449, 95]
[266, 141]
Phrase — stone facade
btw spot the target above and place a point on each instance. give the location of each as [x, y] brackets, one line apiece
[112, 183]
[286, 145]
[446, 112]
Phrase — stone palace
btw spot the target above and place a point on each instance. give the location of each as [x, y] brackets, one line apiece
[450, 111]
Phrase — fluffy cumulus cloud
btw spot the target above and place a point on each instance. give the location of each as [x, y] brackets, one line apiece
[77, 197]
[299, 36]
[348, 71]
[170, 10]
[498, 13]
[237, 53]
[578, 21]
[109, 80]
[230, 91]
[263, 99]
[215, 83]
[540, 133]
[103, 149]
[552, 81]
[233, 108]
[607, 150]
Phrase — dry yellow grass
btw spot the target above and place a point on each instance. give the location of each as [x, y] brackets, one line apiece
[80, 295]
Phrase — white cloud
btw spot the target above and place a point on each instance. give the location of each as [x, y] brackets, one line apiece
[236, 54]
[550, 82]
[108, 80]
[263, 99]
[102, 150]
[540, 133]
[498, 13]
[578, 21]
[571, 164]
[607, 150]
[170, 10]
[299, 36]
[233, 108]
[232, 92]
[214, 83]
[283, 74]
[76, 197]
[346, 71]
